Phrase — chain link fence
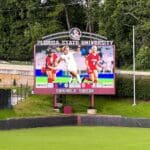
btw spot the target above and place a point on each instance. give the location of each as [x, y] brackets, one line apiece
[19, 94]
[14, 95]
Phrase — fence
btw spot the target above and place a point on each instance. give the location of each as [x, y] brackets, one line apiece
[19, 93]
[14, 95]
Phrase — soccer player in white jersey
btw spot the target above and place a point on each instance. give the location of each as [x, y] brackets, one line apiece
[71, 65]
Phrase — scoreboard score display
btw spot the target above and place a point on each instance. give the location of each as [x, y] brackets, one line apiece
[74, 67]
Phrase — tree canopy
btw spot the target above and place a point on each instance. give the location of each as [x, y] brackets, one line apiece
[23, 22]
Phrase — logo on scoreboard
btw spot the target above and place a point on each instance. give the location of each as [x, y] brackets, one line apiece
[75, 34]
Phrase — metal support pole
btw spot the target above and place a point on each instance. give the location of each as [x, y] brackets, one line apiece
[92, 101]
[55, 101]
[134, 90]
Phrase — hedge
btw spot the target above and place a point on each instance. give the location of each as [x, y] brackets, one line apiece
[124, 87]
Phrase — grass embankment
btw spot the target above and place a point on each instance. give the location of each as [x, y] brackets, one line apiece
[76, 138]
[37, 105]
[34, 105]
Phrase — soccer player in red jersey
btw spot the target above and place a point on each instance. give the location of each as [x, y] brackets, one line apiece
[92, 61]
[51, 63]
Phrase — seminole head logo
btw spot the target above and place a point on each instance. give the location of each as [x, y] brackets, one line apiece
[75, 34]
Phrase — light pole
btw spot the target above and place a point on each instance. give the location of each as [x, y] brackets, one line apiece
[133, 48]
[134, 86]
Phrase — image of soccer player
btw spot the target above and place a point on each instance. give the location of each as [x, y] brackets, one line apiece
[70, 63]
[92, 64]
[51, 64]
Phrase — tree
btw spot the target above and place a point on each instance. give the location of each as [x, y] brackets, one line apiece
[142, 58]
[22, 23]
[116, 20]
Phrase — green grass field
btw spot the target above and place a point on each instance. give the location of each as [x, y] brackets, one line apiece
[76, 138]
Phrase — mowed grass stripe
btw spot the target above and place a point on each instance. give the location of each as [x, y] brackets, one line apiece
[76, 138]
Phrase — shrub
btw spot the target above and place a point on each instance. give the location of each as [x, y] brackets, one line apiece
[143, 59]
[124, 87]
